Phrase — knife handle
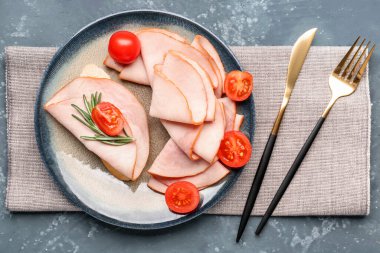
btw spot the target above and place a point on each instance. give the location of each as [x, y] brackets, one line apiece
[288, 178]
[255, 188]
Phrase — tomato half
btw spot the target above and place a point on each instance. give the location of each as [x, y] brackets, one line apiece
[182, 197]
[235, 149]
[238, 85]
[124, 47]
[108, 118]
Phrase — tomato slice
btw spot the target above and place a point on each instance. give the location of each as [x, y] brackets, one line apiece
[238, 85]
[108, 118]
[182, 197]
[235, 149]
[124, 47]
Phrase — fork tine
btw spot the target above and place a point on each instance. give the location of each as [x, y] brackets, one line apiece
[354, 69]
[349, 65]
[364, 65]
[343, 61]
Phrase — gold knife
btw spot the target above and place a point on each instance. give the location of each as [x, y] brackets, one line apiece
[297, 58]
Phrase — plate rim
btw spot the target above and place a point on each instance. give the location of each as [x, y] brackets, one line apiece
[63, 187]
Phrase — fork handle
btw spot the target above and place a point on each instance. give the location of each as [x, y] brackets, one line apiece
[288, 178]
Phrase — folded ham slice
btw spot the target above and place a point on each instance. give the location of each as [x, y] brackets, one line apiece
[128, 159]
[175, 36]
[238, 121]
[210, 96]
[205, 46]
[208, 142]
[199, 141]
[189, 82]
[134, 72]
[112, 64]
[230, 112]
[173, 163]
[154, 53]
[168, 102]
[184, 135]
[210, 176]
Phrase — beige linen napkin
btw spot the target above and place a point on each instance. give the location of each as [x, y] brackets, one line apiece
[333, 179]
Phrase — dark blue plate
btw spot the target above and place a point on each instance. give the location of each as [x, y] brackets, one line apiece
[79, 174]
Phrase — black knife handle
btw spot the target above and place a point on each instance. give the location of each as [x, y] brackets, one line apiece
[288, 178]
[255, 188]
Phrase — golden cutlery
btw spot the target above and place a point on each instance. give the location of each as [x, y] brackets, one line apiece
[343, 81]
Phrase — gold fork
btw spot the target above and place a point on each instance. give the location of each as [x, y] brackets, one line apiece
[342, 83]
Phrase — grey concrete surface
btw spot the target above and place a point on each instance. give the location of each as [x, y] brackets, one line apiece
[262, 22]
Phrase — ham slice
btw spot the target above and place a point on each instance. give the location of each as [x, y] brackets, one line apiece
[175, 36]
[212, 175]
[208, 142]
[199, 141]
[135, 72]
[112, 64]
[184, 135]
[210, 96]
[205, 45]
[128, 159]
[154, 53]
[173, 163]
[156, 185]
[189, 82]
[238, 121]
[174, 109]
[230, 112]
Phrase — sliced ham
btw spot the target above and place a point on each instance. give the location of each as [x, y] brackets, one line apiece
[156, 185]
[154, 53]
[168, 102]
[238, 121]
[202, 43]
[128, 159]
[189, 82]
[173, 163]
[230, 112]
[199, 141]
[175, 36]
[210, 96]
[112, 64]
[212, 175]
[135, 72]
[184, 135]
[211, 135]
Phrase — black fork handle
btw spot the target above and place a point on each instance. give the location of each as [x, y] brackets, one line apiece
[288, 178]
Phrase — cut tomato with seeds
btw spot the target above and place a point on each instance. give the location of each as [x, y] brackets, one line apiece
[108, 118]
[235, 149]
[182, 197]
[238, 85]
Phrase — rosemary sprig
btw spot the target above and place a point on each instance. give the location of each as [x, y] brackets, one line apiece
[88, 122]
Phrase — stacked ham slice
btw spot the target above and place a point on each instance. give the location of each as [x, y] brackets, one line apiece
[187, 84]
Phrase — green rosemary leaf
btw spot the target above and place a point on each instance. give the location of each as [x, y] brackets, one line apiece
[99, 98]
[109, 138]
[92, 102]
[84, 114]
[88, 107]
[80, 120]
[117, 141]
